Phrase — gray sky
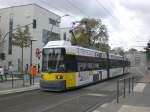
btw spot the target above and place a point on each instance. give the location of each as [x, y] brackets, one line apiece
[128, 21]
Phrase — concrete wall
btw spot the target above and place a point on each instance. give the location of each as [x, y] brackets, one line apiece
[24, 15]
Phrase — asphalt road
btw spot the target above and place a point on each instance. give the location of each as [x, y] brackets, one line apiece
[79, 100]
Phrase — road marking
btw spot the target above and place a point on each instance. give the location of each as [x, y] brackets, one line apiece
[95, 94]
[128, 108]
[139, 87]
[96, 111]
[104, 105]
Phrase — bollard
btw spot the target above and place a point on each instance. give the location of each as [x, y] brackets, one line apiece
[124, 88]
[23, 81]
[117, 91]
[33, 80]
[129, 85]
[12, 79]
[132, 83]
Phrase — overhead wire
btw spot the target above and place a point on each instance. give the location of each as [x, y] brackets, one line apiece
[106, 10]
[111, 4]
[76, 7]
[83, 12]
[54, 7]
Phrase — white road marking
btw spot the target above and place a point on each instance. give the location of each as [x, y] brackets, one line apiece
[95, 94]
[139, 87]
[128, 108]
[96, 111]
[104, 105]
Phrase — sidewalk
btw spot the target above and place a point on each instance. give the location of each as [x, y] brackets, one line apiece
[138, 101]
[8, 86]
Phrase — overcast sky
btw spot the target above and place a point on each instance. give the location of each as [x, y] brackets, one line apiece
[128, 21]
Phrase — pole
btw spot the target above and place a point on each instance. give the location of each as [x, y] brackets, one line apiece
[117, 91]
[12, 79]
[132, 83]
[108, 64]
[30, 62]
[22, 66]
[129, 85]
[124, 89]
[123, 64]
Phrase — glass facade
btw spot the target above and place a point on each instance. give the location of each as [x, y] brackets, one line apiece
[10, 35]
[53, 22]
[49, 36]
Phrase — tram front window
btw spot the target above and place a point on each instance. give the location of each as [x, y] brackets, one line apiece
[53, 60]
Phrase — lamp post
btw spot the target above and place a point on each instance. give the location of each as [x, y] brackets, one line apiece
[31, 42]
[58, 22]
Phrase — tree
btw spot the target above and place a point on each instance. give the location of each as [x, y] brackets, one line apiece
[148, 51]
[90, 31]
[131, 50]
[118, 50]
[102, 47]
[21, 38]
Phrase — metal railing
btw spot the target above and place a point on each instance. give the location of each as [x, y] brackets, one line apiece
[127, 81]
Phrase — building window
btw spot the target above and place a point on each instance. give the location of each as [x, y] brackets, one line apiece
[9, 63]
[64, 36]
[49, 36]
[53, 22]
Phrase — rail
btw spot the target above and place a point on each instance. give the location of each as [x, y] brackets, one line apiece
[130, 81]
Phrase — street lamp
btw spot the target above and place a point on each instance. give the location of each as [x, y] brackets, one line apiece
[58, 22]
[31, 42]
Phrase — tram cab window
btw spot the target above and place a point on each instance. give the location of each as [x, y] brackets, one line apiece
[52, 59]
[61, 68]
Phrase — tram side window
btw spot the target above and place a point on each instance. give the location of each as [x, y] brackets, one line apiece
[89, 66]
[116, 63]
[70, 67]
[102, 64]
[82, 66]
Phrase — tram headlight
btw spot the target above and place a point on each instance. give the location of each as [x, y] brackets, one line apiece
[59, 77]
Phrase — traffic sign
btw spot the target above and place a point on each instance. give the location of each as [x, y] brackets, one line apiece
[37, 52]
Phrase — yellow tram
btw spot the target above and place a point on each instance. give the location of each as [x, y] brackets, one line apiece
[65, 66]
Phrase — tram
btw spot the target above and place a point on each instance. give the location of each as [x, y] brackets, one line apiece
[65, 66]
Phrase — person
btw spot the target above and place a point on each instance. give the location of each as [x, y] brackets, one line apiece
[5, 72]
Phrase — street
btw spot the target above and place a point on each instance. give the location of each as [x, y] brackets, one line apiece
[79, 100]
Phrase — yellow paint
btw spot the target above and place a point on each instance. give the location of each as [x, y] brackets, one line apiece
[71, 53]
[69, 77]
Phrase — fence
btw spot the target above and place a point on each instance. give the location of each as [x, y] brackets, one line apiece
[16, 80]
[129, 81]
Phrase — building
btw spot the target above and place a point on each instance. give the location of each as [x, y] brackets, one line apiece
[138, 61]
[65, 34]
[47, 28]
[137, 58]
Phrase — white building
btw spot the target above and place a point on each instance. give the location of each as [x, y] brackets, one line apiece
[46, 22]
[65, 34]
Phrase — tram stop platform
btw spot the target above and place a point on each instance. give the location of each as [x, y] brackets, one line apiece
[137, 101]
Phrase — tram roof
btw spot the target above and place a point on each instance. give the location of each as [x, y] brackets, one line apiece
[78, 50]
[65, 44]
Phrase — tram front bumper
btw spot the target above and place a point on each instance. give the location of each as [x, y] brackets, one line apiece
[53, 85]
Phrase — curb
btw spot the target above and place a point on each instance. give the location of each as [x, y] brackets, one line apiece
[19, 90]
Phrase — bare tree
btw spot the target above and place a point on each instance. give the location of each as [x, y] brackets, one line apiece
[21, 38]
